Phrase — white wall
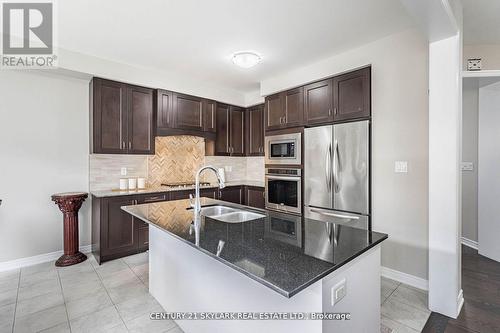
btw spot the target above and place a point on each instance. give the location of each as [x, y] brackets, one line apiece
[489, 166]
[400, 132]
[470, 112]
[44, 144]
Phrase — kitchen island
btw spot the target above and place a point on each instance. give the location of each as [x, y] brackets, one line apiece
[275, 263]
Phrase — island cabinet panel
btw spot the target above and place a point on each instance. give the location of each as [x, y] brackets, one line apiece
[122, 118]
[222, 130]
[255, 196]
[233, 194]
[109, 116]
[274, 112]
[254, 129]
[352, 95]
[318, 102]
[237, 131]
[140, 120]
[188, 112]
[164, 113]
[209, 116]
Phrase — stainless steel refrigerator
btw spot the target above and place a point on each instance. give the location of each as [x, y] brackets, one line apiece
[337, 173]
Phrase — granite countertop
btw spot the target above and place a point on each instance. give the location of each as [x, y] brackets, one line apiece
[160, 189]
[286, 253]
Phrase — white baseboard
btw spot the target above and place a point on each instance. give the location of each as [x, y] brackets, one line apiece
[405, 278]
[41, 258]
[469, 243]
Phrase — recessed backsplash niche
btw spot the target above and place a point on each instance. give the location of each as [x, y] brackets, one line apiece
[177, 159]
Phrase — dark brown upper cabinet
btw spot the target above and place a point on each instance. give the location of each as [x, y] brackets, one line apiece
[209, 116]
[285, 109]
[274, 111]
[230, 136]
[254, 129]
[352, 95]
[140, 120]
[222, 130]
[293, 102]
[122, 118]
[237, 131]
[164, 110]
[318, 102]
[188, 111]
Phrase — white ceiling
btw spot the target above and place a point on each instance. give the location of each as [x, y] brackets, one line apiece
[196, 38]
[481, 21]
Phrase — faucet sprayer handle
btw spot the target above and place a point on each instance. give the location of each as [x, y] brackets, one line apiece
[191, 202]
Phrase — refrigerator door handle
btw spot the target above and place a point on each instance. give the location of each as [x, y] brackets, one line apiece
[340, 216]
[328, 167]
[336, 167]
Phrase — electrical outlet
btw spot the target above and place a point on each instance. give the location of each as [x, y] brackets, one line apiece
[467, 166]
[123, 171]
[401, 166]
[228, 168]
[339, 291]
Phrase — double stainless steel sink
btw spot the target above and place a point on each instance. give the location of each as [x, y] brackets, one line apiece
[229, 214]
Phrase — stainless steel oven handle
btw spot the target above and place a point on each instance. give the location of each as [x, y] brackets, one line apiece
[340, 216]
[295, 179]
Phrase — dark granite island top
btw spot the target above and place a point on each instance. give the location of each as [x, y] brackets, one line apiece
[284, 252]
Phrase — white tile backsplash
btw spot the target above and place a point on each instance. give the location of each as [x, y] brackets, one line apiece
[255, 168]
[105, 169]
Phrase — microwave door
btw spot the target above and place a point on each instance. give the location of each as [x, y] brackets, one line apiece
[318, 175]
[351, 167]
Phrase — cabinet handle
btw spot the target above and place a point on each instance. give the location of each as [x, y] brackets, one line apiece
[130, 145]
[123, 144]
[329, 112]
[335, 110]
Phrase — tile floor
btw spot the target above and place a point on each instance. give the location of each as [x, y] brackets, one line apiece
[404, 308]
[87, 297]
[114, 297]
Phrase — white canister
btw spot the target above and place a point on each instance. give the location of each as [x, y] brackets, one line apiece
[141, 183]
[123, 184]
[132, 183]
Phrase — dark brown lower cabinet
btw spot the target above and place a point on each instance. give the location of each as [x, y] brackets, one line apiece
[255, 196]
[204, 192]
[117, 234]
[232, 194]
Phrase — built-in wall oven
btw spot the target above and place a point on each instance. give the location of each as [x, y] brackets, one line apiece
[284, 149]
[283, 189]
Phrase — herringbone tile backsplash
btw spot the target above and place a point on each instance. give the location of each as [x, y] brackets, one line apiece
[177, 159]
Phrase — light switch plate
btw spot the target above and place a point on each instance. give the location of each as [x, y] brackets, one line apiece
[123, 171]
[467, 166]
[339, 291]
[228, 168]
[401, 166]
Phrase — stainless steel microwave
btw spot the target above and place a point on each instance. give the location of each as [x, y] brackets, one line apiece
[284, 149]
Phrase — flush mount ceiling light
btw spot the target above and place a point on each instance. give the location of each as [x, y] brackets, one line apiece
[246, 59]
